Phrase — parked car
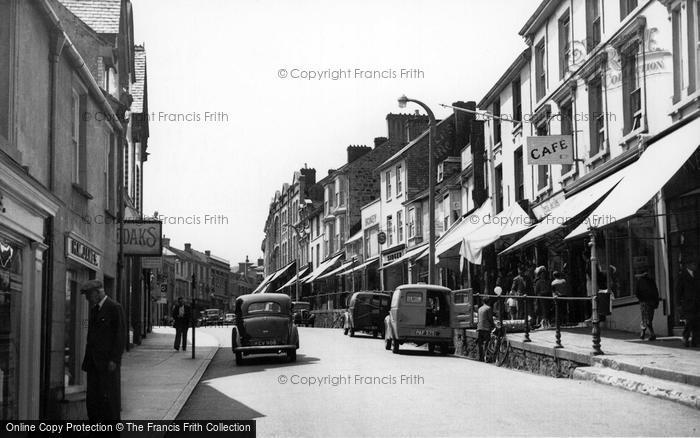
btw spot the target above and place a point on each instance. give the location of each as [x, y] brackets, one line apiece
[212, 317]
[229, 318]
[264, 324]
[302, 314]
[366, 312]
[426, 314]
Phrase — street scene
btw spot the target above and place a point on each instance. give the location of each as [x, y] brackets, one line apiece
[352, 219]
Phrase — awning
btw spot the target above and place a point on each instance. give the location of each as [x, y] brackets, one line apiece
[408, 255]
[362, 266]
[293, 280]
[262, 287]
[569, 209]
[461, 229]
[336, 271]
[322, 268]
[646, 178]
[510, 221]
[355, 237]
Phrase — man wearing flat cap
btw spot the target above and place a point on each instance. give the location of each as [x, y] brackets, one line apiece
[103, 352]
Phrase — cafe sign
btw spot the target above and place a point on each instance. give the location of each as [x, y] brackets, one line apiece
[83, 253]
[550, 149]
[141, 238]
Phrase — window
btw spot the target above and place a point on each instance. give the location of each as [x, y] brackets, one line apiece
[399, 185]
[540, 71]
[677, 54]
[388, 184]
[631, 90]
[517, 101]
[564, 46]
[519, 175]
[341, 230]
[318, 253]
[593, 24]
[499, 188]
[414, 297]
[596, 116]
[411, 224]
[566, 121]
[496, 121]
[78, 103]
[446, 212]
[693, 44]
[389, 231]
[627, 6]
[399, 226]
[543, 170]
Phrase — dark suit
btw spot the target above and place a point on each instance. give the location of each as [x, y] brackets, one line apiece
[105, 343]
[688, 296]
[181, 325]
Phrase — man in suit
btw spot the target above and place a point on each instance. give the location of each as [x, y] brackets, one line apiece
[688, 296]
[182, 316]
[103, 352]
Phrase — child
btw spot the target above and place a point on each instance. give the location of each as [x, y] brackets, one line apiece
[512, 304]
[484, 326]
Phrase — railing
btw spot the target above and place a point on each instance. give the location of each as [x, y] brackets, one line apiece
[558, 300]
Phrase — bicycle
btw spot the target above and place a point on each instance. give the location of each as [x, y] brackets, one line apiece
[497, 348]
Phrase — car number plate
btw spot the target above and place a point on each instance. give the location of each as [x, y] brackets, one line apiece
[263, 342]
[425, 332]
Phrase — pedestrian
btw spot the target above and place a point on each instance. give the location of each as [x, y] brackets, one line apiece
[346, 321]
[648, 295]
[512, 305]
[182, 314]
[687, 292]
[542, 289]
[103, 352]
[560, 288]
[484, 326]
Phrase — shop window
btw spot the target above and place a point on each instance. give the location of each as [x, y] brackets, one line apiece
[10, 311]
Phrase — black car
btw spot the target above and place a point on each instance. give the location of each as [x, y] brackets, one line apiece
[302, 314]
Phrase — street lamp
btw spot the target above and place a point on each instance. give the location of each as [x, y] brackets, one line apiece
[299, 239]
[403, 100]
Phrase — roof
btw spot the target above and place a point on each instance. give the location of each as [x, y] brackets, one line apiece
[101, 15]
[544, 10]
[415, 141]
[138, 88]
[511, 72]
[255, 298]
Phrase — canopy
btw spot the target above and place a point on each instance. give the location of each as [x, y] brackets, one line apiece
[337, 270]
[569, 209]
[459, 230]
[263, 284]
[293, 280]
[262, 287]
[646, 178]
[322, 268]
[362, 266]
[354, 237]
[510, 221]
[408, 255]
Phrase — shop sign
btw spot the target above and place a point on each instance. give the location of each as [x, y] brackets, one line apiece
[369, 221]
[83, 253]
[550, 149]
[142, 238]
[152, 263]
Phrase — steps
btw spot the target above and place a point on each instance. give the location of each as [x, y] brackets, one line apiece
[672, 390]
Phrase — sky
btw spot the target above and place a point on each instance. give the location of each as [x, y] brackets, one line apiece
[243, 93]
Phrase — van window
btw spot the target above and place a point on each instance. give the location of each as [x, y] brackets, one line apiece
[461, 298]
[414, 297]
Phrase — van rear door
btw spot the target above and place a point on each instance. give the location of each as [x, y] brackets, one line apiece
[461, 310]
[411, 310]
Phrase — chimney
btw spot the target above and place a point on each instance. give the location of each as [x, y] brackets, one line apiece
[188, 247]
[378, 141]
[463, 123]
[309, 176]
[261, 262]
[330, 171]
[208, 253]
[416, 125]
[395, 128]
[355, 152]
[166, 242]
[402, 128]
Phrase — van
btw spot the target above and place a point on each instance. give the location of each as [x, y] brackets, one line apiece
[426, 314]
[366, 312]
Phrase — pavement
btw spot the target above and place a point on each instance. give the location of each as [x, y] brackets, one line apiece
[662, 368]
[157, 380]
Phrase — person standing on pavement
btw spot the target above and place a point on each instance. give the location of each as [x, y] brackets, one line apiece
[103, 352]
[542, 289]
[484, 326]
[688, 296]
[648, 295]
[560, 288]
[182, 315]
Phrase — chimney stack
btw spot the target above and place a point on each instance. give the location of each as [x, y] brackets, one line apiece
[188, 247]
[208, 253]
[463, 122]
[378, 141]
[166, 242]
[355, 152]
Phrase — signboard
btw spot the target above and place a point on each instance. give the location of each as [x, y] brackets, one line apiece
[83, 253]
[550, 149]
[369, 221]
[151, 263]
[381, 237]
[142, 238]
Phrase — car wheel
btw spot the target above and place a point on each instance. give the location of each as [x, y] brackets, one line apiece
[431, 348]
[395, 346]
[443, 349]
[239, 359]
[292, 355]
[352, 333]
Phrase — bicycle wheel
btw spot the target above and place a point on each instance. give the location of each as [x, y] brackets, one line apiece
[491, 349]
[502, 351]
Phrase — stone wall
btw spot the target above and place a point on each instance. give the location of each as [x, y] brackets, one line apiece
[531, 358]
[328, 318]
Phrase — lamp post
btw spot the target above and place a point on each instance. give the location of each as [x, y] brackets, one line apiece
[299, 239]
[403, 100]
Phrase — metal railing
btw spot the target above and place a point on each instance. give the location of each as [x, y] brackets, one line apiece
[558, 301]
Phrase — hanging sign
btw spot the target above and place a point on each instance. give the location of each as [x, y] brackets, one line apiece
[142, 238]
[550, 149]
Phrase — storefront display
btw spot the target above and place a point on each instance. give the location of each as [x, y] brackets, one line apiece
[10, 311]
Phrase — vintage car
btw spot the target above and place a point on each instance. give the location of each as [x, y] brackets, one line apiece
[229, 318]
[264, 324]
[366, 312]
[426, 314]
[302, 314]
